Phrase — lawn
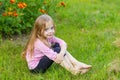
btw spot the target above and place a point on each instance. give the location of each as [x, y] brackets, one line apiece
[89, 28]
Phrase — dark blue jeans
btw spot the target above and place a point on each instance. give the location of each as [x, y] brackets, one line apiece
[45, 62]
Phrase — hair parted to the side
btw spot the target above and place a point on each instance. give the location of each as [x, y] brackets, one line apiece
[37, 32]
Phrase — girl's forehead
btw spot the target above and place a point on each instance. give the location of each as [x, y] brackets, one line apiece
[49, 24]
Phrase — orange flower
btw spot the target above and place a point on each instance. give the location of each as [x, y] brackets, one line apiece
[62, 4]
[42, 11]
[10, 13]
[4, 14]
[22, 5]
[15, 14]
[12, 1]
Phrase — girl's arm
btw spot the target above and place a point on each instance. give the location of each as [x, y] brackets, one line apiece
[60, 56]
[63, 47]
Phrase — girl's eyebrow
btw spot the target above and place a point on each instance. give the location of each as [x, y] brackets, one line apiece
[52, 26]
[49, 27]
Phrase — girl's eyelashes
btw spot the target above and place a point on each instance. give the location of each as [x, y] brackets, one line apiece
[49, 28]
[52, 27]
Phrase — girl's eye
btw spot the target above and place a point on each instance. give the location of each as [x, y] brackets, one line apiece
[52, 27]
[49, 28]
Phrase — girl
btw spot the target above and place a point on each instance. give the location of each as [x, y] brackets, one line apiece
[43, 48]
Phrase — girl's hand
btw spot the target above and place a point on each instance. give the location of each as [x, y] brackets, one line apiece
[59, 59]
[60, 56]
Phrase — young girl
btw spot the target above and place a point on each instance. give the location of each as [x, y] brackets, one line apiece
[43, 48]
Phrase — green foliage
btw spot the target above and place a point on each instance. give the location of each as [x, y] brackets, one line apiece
[17, 16]
[88, 27]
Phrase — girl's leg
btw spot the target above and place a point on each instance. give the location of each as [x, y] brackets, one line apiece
[66, 63]
[43, 65]
[77, 63]
[71, 64]
[81, 67]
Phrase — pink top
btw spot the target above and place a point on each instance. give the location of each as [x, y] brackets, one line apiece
[40, 49]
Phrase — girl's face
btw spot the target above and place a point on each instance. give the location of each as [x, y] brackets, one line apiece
[49, 30]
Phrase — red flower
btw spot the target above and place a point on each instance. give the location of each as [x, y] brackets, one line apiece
[4, 14]
[62, 4]
[22, 5]
[10, 13]
[12, 1]
[42, 11]
[15, 14]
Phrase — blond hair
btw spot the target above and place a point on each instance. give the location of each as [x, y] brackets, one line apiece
[36, 32]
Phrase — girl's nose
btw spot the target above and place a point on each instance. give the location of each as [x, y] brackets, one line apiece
[50, 31]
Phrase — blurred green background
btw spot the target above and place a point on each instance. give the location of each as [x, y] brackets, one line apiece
[89, 28]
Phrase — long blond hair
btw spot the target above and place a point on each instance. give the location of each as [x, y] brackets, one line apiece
[36, 32]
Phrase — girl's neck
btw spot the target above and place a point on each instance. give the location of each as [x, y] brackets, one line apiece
[45, 41]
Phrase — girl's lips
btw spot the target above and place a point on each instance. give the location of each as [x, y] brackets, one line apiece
[50, 35]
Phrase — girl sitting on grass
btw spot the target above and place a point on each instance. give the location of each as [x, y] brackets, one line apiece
[43, 48]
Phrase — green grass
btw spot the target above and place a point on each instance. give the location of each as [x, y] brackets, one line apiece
[89, 27]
